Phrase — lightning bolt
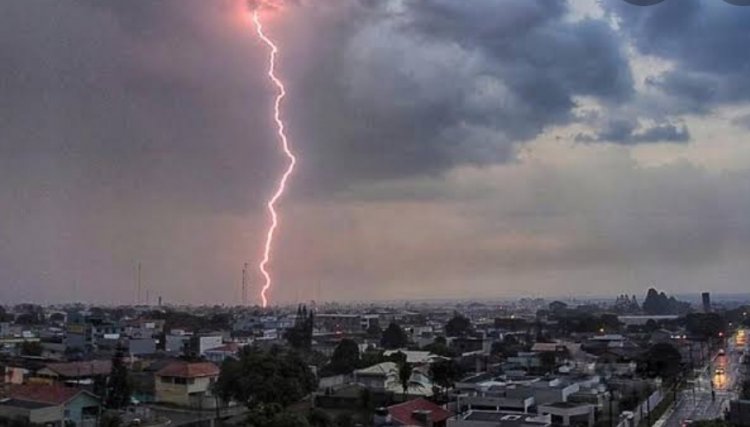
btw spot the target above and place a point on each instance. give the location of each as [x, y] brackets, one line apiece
[281, 93]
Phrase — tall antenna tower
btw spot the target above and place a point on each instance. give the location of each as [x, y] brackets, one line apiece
[138, 292]
[244, 284]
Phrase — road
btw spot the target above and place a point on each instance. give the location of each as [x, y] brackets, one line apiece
[709, 395]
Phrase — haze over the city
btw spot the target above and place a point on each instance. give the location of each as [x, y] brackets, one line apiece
[446, 149]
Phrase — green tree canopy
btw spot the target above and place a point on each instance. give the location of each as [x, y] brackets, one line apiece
[404, 376]
[299, 336]
[458, 326]
[705, 325]
[118, 385]
[440, 347]
[661, 360]
[445, 372]
[31, 348]
[278, 376]
[345, 357]
[394, 337]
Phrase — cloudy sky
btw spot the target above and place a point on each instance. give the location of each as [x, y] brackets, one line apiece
[447, 148]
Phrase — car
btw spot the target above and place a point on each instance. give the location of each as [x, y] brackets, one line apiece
[686, 422]
[722, 352]
[720, 371]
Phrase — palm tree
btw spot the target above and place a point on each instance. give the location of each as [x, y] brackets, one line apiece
[404, 375]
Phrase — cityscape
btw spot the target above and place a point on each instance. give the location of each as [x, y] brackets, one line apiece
[374, 213]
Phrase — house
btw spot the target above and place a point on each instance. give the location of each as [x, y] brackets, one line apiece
[51, 404]
[141, 346]
[383, 378]
[418, 412]
[176, 341]
[75, 373]
[219, 354]
[337, 322]
[187, 384]
[569, 413]
[200, 343]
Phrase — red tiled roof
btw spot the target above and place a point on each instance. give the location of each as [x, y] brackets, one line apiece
[189, 370]
[45, 393]
[81, 369]
[403, 412]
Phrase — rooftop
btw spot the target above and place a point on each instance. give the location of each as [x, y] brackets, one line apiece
[50, 394]
[26, 404]
[81, 369]
[384, 368]
[189, 370]
[404, 412]
[507, 419]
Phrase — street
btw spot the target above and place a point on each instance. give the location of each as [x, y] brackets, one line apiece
[709, 395]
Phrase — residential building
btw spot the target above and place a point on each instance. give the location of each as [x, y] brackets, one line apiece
[417, 412]
[336, 322]
[569, 413]
[51, 404]
[220, 354]
[75, 373]
[187, 384]
[383, 378]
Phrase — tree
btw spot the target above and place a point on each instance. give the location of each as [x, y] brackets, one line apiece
[404, 376]
[345, 357]
[445, 372]
[273, 415]
[661, 360]
[344, 420]
[705, 325]
[319, 418]
[31, 348]
[609, 322]
[548, 360]
[371, 357]
[745, 392]
[118, 386]
[374, 332]
[110, 419]
[393, 337]
[398, 358]
[365, 399]
[299, 336]
[257, 377]
[458, 326]
[440, 348]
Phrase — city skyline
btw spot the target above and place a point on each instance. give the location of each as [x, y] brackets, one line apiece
[448, 149]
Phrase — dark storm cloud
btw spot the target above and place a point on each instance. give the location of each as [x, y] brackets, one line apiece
[705, 40]
[742, 121]
[628, 131]
[137, 101]
[436, 84]
[140, 130]
[156, 100]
